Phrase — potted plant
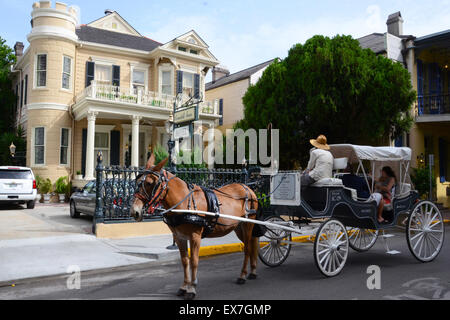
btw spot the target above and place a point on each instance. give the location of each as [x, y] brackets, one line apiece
[46, 189]
[61, 188]
[78, 176]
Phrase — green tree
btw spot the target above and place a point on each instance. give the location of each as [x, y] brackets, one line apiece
[7, 96]
[334, 87]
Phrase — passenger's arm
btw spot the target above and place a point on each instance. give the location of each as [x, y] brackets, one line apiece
[312, 161]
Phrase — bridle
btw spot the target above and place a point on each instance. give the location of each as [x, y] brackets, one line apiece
[152, 200]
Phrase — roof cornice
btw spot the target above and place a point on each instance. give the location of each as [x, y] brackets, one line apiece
[181, 54]
[108, 48]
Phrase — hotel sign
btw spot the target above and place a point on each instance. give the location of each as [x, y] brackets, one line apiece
[185, 115]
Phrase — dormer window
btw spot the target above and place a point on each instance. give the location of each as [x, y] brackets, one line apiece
[182, 49]
[194, 51]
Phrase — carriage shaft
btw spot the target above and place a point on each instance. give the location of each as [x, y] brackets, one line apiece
[225, 216]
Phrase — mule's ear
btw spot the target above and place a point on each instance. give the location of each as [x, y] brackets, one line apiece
[150, 162]
[160, 165]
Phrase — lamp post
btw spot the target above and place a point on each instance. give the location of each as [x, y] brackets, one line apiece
[12, 150]
[171, 143]
[127, 154]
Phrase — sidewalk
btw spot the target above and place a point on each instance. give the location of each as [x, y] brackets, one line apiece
[23, 259]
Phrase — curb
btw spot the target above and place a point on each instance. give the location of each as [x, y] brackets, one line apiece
[237, 247]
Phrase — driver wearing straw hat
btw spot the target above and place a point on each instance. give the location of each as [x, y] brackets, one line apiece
[320, 165]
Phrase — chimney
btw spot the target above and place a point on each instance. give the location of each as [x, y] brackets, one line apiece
[395, 24]
[18, 49]
[108, 11]
[219, 72]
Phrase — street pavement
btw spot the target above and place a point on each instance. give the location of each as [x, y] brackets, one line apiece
[402, 277]
[46, 242]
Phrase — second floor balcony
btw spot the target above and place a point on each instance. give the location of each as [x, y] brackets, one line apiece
[118, 99]
[433, 108]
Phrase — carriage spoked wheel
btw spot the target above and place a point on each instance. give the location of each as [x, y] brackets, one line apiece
[425, 231]
[331, 247]
[361, 240]
[275, 244]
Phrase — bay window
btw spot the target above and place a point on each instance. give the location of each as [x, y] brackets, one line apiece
[39, 146]
[41, 71]
[67, 73]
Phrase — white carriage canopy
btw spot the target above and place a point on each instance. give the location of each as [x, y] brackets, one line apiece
[396, 158]
[355, 153]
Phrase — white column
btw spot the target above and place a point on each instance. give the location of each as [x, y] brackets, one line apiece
[90, 157]
[135, 141]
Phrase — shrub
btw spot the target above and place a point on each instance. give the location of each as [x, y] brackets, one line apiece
[61, 185]
[160, 154]
[421, 179]
[45, 186]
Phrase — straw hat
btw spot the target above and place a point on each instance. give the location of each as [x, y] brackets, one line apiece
[320, 142]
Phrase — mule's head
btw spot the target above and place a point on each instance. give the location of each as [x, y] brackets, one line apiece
[146, 184]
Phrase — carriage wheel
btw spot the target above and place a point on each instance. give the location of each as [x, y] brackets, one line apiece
[274, 245]
[361, 240]
[331, 247]
[425, 231]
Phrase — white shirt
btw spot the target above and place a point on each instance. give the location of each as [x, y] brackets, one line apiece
[320, 164]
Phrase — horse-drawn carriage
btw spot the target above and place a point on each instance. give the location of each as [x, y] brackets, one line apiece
[343, 220]
[331, 214]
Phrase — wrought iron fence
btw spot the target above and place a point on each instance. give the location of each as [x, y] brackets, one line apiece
[118, 185]
[433, 104]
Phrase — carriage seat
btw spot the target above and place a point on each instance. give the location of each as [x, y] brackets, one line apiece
[328, 182]
[403, 189]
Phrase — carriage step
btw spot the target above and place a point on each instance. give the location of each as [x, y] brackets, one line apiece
[387, 235]
[393, 252]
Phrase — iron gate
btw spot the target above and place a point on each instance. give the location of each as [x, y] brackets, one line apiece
[117, 184]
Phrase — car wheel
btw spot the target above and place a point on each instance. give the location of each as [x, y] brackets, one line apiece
[30, 204]
[73, 211]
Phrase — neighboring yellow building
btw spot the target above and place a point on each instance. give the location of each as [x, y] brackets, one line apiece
[427, 59]
[229, 89]
[102, 87]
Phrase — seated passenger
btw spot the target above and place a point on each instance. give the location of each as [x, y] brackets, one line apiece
[351, 180]
[320, 165]
[384, 188]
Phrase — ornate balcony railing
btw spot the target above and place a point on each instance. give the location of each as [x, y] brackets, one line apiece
[432, 104]
[106, 92]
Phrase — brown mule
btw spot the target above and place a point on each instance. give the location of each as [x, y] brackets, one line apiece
[160, 186]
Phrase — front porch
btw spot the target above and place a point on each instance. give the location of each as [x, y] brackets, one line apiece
[125, 125]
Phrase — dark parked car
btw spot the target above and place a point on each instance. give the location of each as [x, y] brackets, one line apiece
[83, 201]
[118, 196]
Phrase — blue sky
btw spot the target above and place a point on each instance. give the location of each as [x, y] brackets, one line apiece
[242, 33]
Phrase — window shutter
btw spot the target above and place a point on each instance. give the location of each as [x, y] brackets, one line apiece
[196, 86]
[442, 160]
[221, 111]
[90, 71]
[26, 90]
[116, 76]
[83, 152]
[179, 81]
[21, 93]
[115, 148]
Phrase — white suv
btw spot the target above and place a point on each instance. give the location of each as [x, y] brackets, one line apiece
[17, 184]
